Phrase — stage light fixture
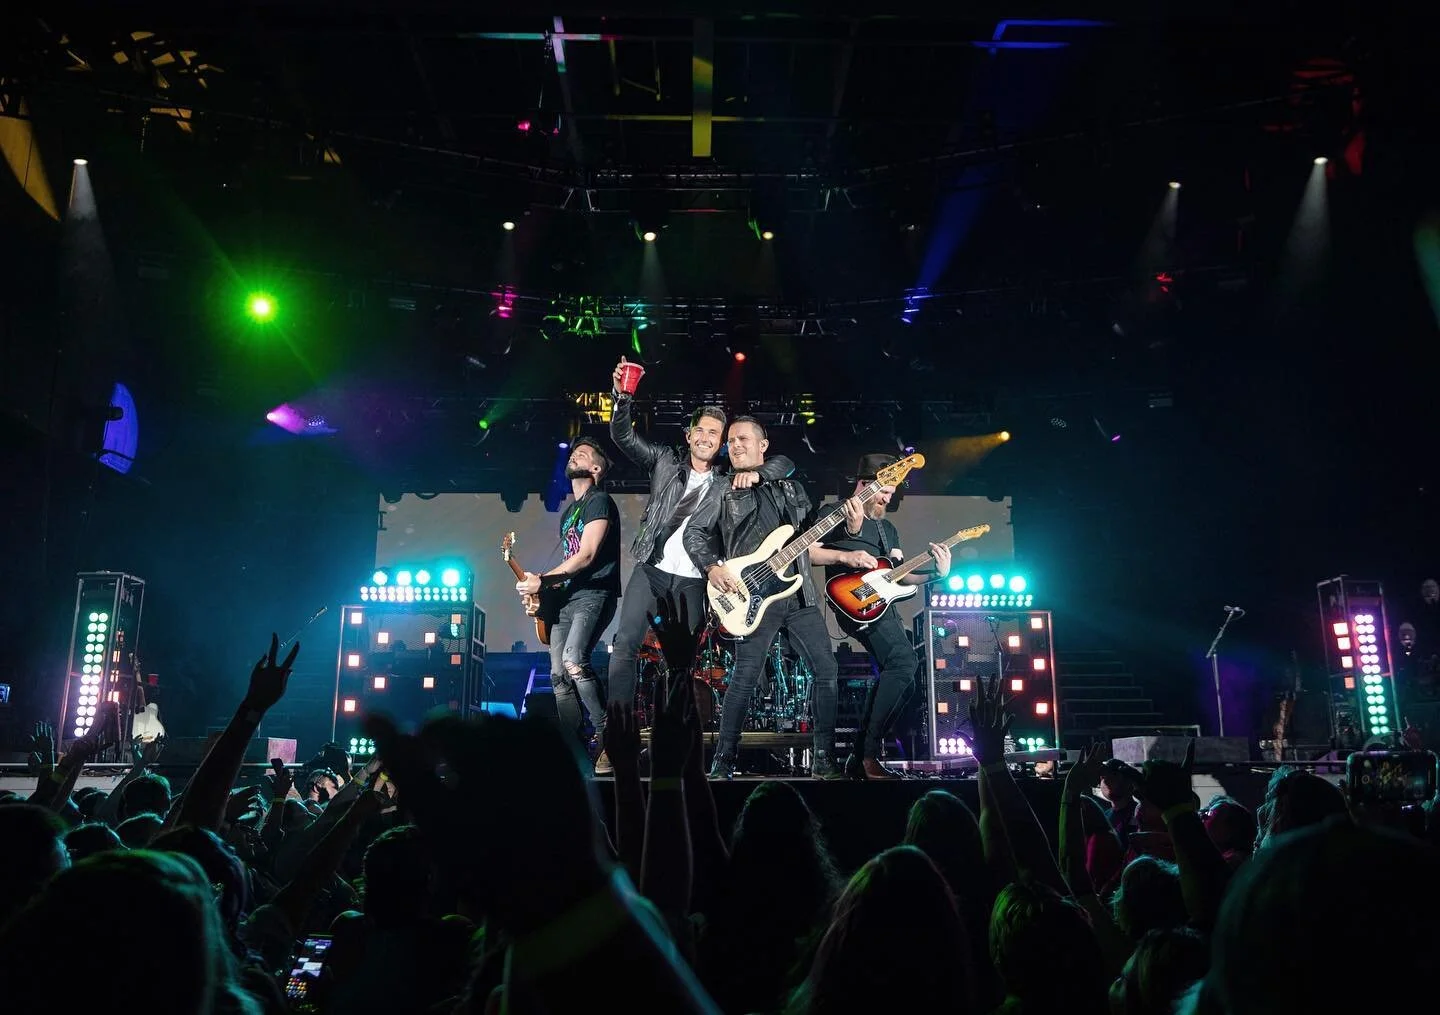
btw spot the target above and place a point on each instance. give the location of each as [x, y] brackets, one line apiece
[508, 226]
[422, 577]
[82, 162]
[377, 682]
[382, 638]
[450, 577]
[1320, 160]
[1004, 435]
[1038, 663]
[403, 578]
[349, 706]
[1174, 184]
[427, 683]
[261, 307]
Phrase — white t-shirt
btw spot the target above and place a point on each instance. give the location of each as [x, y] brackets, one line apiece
[673, 558]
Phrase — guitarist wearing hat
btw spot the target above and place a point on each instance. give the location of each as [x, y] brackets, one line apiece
[679, 479]
[868, 540]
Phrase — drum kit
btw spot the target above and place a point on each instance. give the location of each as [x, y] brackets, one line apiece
[779, 703]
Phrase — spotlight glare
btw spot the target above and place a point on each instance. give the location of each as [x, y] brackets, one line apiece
[82, 162]
[1174, 184]
[1004, 435]
[648, 236]
[739, 357]
[1320, 160]
[261, 306]
[508, 226]
[767, 235]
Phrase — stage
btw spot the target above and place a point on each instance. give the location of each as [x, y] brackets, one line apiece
[859, 818]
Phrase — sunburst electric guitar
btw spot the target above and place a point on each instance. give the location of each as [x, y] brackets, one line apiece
[537, 607]
[866, 595]
[765, 573]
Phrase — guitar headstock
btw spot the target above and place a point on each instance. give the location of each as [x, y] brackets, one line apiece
[973, 532]
[507, 543]
[894, 474]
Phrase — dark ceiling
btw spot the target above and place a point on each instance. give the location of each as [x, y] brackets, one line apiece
[994, 173]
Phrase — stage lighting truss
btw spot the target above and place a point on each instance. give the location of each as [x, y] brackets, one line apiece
[434, 582]
[103, 641]
[965, 646]
[408, 659]
[1364, 697]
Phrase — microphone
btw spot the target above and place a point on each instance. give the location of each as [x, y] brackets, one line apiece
[1235, 609]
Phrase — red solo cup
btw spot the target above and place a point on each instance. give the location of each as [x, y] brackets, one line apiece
[630, 374]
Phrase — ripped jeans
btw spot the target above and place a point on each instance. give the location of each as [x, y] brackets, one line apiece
[577, 628]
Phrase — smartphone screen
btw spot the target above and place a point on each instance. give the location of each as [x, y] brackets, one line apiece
[309, 960]
[1391, 776]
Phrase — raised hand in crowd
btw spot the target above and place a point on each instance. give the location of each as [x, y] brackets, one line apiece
[269, 679]
[989, 722]
[622, 736]
[42, 747]
[678, 639]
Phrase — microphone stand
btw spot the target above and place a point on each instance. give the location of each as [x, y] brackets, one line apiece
[1213, 654]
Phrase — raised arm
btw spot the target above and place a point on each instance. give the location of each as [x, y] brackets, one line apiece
[775, 467]
[622, 432]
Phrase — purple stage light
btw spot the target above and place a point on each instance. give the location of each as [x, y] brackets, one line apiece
[1114, 438]
[287, 419]
[122, 432]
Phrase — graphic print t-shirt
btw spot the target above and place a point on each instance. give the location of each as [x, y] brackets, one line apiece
[603, 574]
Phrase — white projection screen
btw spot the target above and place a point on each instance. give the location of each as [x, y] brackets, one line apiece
[470, 527]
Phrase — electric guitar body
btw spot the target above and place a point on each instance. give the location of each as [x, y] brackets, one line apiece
[740, 614]
[865, 595]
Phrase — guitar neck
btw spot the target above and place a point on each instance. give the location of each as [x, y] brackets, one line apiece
[516, 569]
[788, 553]
[901, 570]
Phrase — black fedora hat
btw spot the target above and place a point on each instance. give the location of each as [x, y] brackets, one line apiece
[870, 465]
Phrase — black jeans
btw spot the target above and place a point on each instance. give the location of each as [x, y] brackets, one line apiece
[648, 585]
[885, 640]
[807, 631]
[577, 628]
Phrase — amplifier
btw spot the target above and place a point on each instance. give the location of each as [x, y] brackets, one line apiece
[259, 751]
[965, 646]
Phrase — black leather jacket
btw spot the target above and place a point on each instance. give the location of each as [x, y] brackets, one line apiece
[717, 528]
[669, 469]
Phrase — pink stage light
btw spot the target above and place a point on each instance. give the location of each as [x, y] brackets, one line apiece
[287, 419]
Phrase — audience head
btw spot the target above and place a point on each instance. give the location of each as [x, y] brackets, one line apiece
[224, 871]
[1274, 946]
[896, 935]
[34, 853]
[183, 965]
[1164, 965]
[776, 832]
[1231, 825]
[1118, 781]
[88, 839]
[1148, 898]
[148, 794]
[399, 878]
[136, 832]
[1297, 799]
[1045, 951]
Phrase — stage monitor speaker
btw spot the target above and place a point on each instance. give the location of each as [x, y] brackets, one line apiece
[541, 704]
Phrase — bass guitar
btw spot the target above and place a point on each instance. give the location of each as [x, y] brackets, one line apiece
[765, 573]
[865, 595]
[537, 607]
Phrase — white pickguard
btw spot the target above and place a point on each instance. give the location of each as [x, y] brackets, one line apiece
[741, 614]
[146, 725]
[888, 591]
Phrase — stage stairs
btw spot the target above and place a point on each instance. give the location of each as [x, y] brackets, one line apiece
[1100, 697]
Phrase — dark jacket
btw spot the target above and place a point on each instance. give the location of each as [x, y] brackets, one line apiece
[713, 529]
[669, 469]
